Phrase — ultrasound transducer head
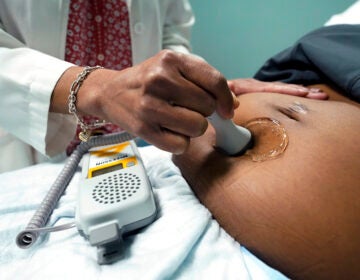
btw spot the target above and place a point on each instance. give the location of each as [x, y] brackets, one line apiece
[232, 139]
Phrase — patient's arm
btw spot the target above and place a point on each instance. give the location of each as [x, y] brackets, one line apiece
[299, 212]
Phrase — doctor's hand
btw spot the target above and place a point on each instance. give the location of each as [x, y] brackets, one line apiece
[164, 100]
[241, 86]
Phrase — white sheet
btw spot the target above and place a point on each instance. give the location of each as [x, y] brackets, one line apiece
[349, 16]
[183, 243]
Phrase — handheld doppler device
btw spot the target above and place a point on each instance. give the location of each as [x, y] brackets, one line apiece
[115, 197]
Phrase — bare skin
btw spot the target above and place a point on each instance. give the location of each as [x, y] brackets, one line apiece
[299, 212]
[164, 100]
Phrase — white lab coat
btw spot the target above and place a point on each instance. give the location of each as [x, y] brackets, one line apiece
[32, 47]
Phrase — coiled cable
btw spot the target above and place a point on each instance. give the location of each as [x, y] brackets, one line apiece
[27, 237]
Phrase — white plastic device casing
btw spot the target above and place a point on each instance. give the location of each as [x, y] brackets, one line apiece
[113, 199]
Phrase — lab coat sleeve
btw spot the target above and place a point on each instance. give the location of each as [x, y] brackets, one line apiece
[177, 26]
[27, 79]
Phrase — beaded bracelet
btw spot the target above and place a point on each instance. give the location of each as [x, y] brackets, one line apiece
[74, 89]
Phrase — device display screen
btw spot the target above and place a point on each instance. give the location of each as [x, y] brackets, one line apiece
[107, 169]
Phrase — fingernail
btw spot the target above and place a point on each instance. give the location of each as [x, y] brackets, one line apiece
[302, 89]
[317, 95]
[315, 90]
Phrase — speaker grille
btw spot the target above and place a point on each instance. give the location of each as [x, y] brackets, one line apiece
[116, 188]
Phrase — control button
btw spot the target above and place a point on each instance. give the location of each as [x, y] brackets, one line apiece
[130, 163]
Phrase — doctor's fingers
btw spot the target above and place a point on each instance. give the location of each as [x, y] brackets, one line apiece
[206, 77]
[184, 94]
[171, 127]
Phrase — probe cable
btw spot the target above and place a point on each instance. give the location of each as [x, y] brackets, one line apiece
[27, 237]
